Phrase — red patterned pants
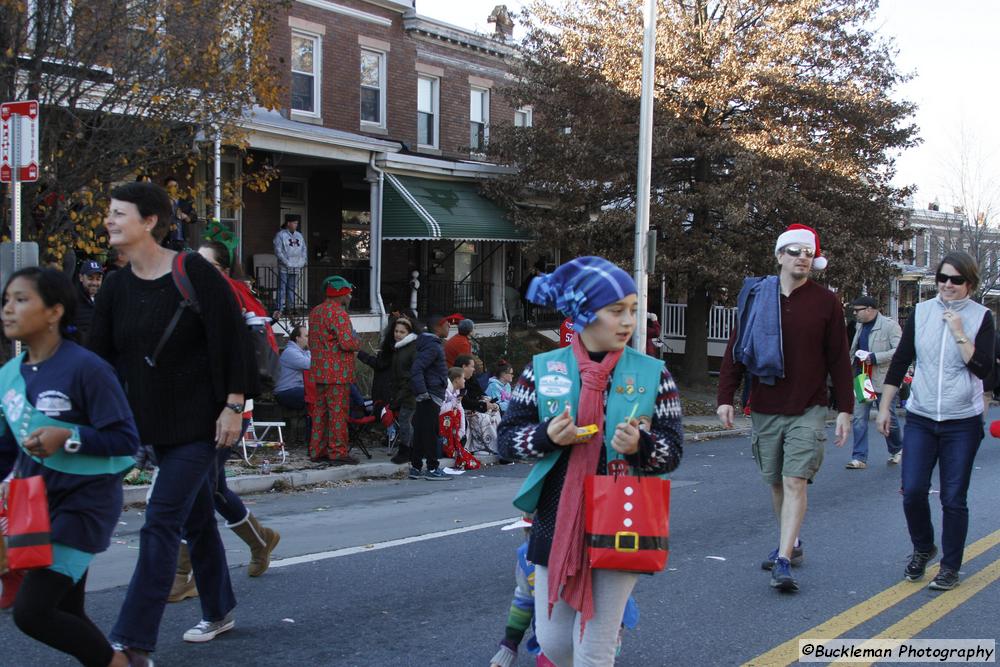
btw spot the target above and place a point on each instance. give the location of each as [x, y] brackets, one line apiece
[329, 421]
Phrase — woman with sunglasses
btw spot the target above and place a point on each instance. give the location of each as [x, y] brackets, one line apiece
[950, 340]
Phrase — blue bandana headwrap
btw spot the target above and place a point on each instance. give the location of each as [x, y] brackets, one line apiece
[580, 288]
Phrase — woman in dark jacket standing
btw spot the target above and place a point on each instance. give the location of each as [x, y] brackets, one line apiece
[381, 364]
[187, 396]
[404, 334]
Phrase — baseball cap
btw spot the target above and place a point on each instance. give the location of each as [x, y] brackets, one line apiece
[90, 267]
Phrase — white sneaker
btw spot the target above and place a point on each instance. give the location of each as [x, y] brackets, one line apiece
[206, 631]
[896, 458]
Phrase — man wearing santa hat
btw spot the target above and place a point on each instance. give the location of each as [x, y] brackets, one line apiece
[790, 336]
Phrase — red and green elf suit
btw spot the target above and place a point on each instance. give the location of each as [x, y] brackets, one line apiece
[332, 345]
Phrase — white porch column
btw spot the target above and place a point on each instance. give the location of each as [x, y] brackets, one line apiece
[497, 279]
[894, 298]
[375, 180]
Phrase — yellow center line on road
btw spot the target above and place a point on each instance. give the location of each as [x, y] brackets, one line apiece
[788, 652]
[939, 607]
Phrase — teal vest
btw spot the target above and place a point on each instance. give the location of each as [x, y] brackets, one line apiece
[634, 386]
[23, 419]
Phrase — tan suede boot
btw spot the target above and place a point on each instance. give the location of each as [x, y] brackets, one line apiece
[261, 541]
[184, 586]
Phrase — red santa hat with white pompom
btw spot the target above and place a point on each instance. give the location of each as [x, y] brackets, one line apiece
[802, 235]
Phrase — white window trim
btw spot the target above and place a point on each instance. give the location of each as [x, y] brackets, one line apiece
[317, 74]
[529, 112]
[435, 109]
[348, 11]
[486, 116]
[383, 60]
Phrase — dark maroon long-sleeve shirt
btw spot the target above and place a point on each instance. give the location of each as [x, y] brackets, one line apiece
[814, 336]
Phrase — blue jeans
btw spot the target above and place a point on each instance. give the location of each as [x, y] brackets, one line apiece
[286, 285]
[180, 503]
[227, 503]
[952, 446]
[860, 423]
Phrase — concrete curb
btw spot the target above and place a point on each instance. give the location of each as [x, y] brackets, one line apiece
[247, 484]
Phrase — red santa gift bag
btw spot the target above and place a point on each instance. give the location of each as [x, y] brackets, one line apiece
[627, 520]
[29, 538]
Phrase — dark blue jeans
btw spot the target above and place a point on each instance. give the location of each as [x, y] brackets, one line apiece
[952, 446]
[180, 502]
[227, 503]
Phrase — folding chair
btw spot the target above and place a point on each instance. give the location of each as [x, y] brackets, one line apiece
[255, 439]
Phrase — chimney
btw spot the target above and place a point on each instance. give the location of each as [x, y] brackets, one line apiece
[503, 29]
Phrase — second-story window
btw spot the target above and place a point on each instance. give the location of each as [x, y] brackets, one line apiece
[522, 117]
[305, 73]
[427, 111]
[372, 87]
[479, 119]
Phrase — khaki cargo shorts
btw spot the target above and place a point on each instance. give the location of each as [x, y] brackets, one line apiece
[787, 445]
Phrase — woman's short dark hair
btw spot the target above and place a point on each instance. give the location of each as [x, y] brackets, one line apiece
[54, 288]
[966, 266]
[464, 359]
[295, 334]
[150, 199]
[502, 367]
[224, 259]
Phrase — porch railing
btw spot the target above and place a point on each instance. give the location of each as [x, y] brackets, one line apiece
[721, 321]
[309, 289]
[471, 299]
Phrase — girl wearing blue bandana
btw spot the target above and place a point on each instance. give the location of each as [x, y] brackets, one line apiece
[630, 404]
[64, 408]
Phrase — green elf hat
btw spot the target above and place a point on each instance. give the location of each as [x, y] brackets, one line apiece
[337, 286]
[216, 231]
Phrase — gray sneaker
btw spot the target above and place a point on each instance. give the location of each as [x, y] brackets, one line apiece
[206, 631]
[436, 475]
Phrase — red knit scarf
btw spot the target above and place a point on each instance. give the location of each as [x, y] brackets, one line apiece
[569, 569]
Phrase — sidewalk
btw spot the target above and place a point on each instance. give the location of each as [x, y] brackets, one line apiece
[696, 429]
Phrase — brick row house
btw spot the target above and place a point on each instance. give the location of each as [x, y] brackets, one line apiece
[379, 154]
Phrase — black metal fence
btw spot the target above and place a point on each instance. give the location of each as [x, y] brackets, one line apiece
[471, 299]
[309, 290]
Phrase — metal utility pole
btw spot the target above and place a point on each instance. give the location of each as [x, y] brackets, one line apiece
[642, 261]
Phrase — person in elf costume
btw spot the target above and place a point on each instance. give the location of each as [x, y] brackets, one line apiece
[632, 402]
[332, 346]
[68, 415]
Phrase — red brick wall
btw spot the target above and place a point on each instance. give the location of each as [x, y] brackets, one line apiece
[340, 76]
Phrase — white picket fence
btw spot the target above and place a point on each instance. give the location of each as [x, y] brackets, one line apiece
[720, 322]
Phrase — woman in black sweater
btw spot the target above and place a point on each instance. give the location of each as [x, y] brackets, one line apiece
[187, 397]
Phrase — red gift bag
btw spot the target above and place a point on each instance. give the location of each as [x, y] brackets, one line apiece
[627, 520]
[29, 538]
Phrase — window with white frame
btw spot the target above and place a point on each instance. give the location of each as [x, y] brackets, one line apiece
[479, 119]
[373, 87]
[522, 117]
[427, 111]
[305, 73]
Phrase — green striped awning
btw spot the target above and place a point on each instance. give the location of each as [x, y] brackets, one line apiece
[427, 210]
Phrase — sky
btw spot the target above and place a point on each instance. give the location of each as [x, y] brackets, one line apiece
[950, 47]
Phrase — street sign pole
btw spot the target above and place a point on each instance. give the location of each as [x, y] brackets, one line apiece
[15, 202]
[642, 268]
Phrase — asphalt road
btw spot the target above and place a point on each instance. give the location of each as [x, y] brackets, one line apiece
[404, 572]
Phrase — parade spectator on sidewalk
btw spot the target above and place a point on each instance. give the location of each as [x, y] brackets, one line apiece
[188, 400]
[290, 389]
[89, 283]
[403, 403]
[332, 346]
[460, 343]
[181, 219]
[381, 364]
[950, 338]
[791, 336]
[429, 378]
[872, 347]
[581, 609]
[75, 429]
[499, 387]
[482, 414]
[290, 251]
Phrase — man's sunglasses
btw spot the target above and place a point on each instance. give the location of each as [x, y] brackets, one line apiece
[797, 251]
[955, 280]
